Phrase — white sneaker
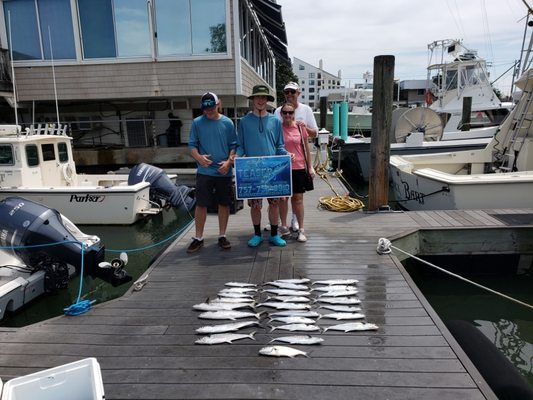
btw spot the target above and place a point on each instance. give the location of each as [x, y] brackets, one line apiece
[267, 227]
[294, 224]
[301, 237]
[284, 231]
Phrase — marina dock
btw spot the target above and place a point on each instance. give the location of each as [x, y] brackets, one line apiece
[144, 341]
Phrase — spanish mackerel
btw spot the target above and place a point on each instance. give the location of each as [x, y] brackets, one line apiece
[335, 288]
[221, 306]
[293, 280]
[288, 285]
[295, 313]
[288, 292]
[344, 315]
[298, 339]
[336, 282]
[339, 300]
[296, 327]
[240, 284]
[340, 308]
[352, 326]
[233, 315]
[224, 338]
[293, 320]
[280, 305]
[339, 293]
[281, 351]
[231, 327]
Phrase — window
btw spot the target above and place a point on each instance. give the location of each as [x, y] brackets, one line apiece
[40, 29]
[312, 90]
[32, 155]
[62, 151]
[311, 83]
[6, 154]
[301, 67]
[311, 75]
[49, 153]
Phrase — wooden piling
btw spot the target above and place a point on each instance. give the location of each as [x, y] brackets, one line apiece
[323, 111]
[467, 111]
[381, 121]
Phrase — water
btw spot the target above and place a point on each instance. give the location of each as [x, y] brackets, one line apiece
[141, 234]
[507, 324]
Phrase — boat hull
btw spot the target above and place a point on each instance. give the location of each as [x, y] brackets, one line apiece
[116, 205]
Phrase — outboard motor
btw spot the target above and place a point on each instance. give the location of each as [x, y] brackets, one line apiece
[161, 187]
[26, 223]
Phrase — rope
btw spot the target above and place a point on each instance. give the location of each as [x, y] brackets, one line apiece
[337, 203]
[386, 249]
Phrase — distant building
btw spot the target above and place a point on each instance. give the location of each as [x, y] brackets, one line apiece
[122, 66]
[312, 80]
[412, 92]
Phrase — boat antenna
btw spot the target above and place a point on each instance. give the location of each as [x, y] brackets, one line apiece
[15, 102]
[53, 75]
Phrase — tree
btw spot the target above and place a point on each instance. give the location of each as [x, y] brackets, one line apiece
[284, 75]
[218, 38]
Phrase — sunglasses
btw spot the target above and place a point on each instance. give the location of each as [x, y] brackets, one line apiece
[287, 112]
[289, 91]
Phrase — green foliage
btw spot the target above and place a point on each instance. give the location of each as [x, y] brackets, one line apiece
[284, 75]
[218, 38]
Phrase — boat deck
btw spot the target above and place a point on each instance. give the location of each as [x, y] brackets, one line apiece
[144, 341]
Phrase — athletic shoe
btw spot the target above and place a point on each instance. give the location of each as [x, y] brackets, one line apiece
[255, 241]
[195, 245]
[267, 227]
[301, 237]
[277, 241]
[284, 231]
[294, 224]
[224, 243]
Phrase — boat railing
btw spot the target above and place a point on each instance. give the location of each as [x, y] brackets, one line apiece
[48, 129]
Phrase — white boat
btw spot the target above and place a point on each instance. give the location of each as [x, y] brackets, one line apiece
[439, 127]
[30, 266]
[37, 164]
[500, 175]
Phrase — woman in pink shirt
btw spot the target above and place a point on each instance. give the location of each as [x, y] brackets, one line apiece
[295, 137]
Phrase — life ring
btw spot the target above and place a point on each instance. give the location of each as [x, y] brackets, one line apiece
[428, 96]
[67, 172]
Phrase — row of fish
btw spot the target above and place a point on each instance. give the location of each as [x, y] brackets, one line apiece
[295, 310]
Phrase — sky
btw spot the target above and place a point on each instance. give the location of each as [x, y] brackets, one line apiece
[347, 34]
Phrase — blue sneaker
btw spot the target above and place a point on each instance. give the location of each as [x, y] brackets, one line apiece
[255, 241]
[277, 241]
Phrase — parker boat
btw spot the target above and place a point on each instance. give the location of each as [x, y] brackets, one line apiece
[40, 250]
[439, 126]
[500, 175]
[37, 164]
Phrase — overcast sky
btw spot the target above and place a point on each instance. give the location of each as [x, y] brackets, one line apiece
[348, 34]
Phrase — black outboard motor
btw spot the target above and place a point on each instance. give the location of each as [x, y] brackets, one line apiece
[161, 187]
[26, 223]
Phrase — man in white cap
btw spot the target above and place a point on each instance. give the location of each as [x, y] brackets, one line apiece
[303, 115]
[212, 143]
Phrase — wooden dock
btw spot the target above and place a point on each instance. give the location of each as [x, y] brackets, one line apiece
[144, 341]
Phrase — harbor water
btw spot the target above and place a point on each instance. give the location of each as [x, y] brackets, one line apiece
[142, 241]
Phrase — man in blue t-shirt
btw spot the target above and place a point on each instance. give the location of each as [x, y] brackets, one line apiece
[260, 134]
[212, 143]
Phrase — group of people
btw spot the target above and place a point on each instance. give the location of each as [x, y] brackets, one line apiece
[214, 144]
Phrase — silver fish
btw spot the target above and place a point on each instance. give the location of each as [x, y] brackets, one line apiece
[290, 299]
[281, 351]
[339, 293]
[344, 315]
[220, 306]
[296, 327]
[334, 288]
[240, 284]
[232, 327]
[224, 338]
[238, 290]
[298, 339]
[235, 295]
[293, 320]
[280, 305]
[339, 300]
[233, 315]
[247, 300]
[336, 282]
[288, 285]
[295, 313]
[288, 292]
[352, 326]
[293, 280]
[341, 308]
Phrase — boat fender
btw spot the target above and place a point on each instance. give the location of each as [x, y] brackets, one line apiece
[500, 374]
[67, 172]
[429, 97]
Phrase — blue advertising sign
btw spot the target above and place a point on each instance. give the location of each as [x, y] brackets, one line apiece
[262, 177]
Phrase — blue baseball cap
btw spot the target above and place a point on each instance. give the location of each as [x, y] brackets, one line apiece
[209, 100]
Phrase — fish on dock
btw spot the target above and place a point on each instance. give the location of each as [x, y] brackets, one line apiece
[344, 315]
[352, 326]
[235, 295]
[281, 351]
[240, 284]
[287, 285]
[289, 299]
[293, 320]
[293, 280]
[221, 306]
[221, 328]
[216, 300]
[227, 314]
[334, 288]
[238, 290]
[298, 339]
[296, 313]
[330, 282]
[280, 305]
[339, 293]
[224, 338]
[339, 300]
[296, 327]
[288, 292]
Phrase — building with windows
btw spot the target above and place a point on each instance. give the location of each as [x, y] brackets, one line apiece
[116, 70]
[312, 80]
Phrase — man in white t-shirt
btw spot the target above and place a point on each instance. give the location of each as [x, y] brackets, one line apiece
[303, 114]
